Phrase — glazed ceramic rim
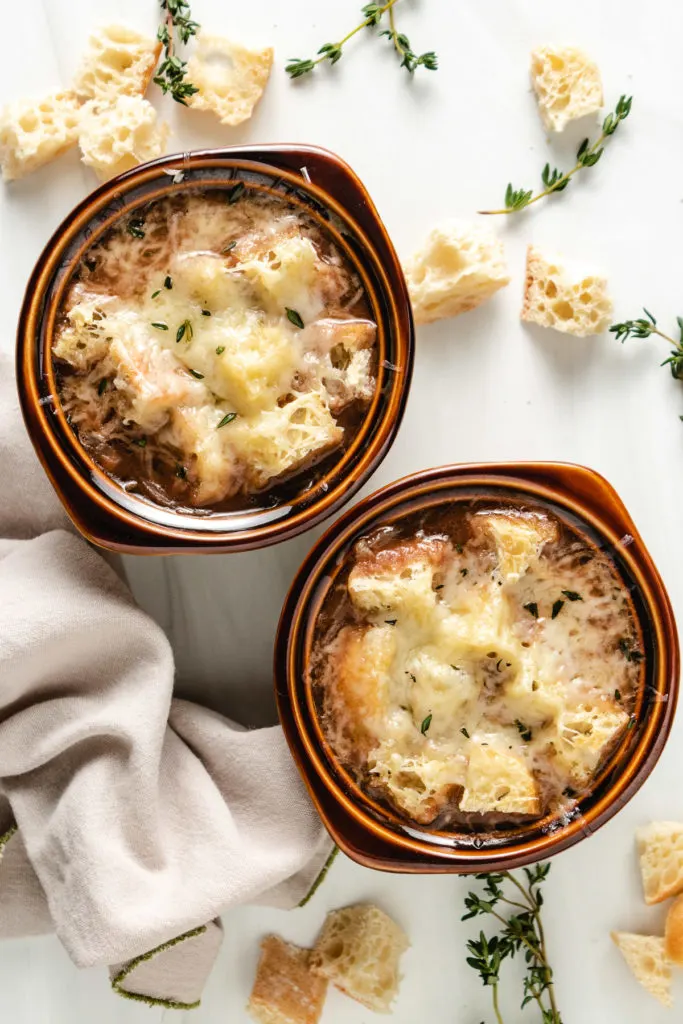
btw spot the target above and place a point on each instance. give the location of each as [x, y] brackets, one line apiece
[654, 714]
[64, 459]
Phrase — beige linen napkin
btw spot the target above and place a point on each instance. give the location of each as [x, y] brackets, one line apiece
[139, 818]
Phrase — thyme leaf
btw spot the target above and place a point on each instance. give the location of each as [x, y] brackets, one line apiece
[171, 73]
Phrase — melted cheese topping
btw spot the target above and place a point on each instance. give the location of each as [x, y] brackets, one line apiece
[490, 677]
[224, 338]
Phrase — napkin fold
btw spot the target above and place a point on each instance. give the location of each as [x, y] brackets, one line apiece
[140, 818]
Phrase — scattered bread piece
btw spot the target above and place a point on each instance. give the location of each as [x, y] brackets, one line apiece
[119, 61]
[660, 848]
[120, 136]
[673, 932]
[285, 990]
[646, 958]
[567, 84]
[459, 267]
[358, 950]
[230, 78]
[32, 132]
[552, 299]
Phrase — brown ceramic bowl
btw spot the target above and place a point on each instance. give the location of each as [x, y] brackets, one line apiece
[371, 833]
[99, 506]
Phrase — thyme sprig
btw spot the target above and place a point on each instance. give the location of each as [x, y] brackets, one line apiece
[373, 14]
[176, 26]
[555, 180]
[643, 328]
[520, 932]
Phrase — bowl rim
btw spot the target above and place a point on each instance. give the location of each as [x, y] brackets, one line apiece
[95, 510]
[588, 496]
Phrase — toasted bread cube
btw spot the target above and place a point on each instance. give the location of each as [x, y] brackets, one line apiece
[358, 950]
[147, 377]
[673, 932]
[33, 132]
[552, 299]
[362, 671]
[533, 697]
[646, 958]
[119, 61]
[438, 688]
[660, 849]
[397, 578]
[567, 84]
[289, 276]
[459, 267]
[584, 735]
[498, 781]
[282, 440]
[519, 540]
[419, 784]
[255, 368]
[286, 991]
[195, 432]
[205, 279]
[121, 135]
[82, 340]
[229, 77]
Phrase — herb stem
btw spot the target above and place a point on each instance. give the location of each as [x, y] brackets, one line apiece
[359, 28]
[496, 1008]
[548, 191]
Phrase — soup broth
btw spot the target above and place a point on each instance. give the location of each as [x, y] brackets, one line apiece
[474, 668]
[216, 350]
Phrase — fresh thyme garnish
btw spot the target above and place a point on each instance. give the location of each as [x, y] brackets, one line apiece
[160, 325]
[373, 15]
[522, 930]
[206, 312]
[196, 374]
[557, 608]
[617, 695]
[523, 730]
[141, 442]
[233, 195]
[220, 350]
[230, 246]
[426, 722]
[630, 653]
[168, 282]
[170, 76]
[228, 418]
[294, 318]
[532, 609]
[465, 733]
[181, 472]
[157, 292]
[572, 595]
[184, 331]
[135, 227]
[644, 328]
[102, 386]
[555, 180]
[463, 572]
[391, 622]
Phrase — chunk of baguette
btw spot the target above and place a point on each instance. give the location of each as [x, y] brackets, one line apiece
[459, 267]
[358, 950]
[660, 849]
[673, 932]
[286, 991]
[230, 79]
[567, 84]
[646, 957]
[116, 137]
[33, 132]
[552, 299]
[498, 781]
[119, 61]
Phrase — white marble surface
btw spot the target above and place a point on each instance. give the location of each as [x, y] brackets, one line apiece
[484, 388]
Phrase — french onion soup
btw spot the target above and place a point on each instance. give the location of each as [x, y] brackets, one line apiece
[216, 350]
[474, 666]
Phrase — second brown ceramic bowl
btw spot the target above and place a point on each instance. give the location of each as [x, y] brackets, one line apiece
[374, 835]
[326, 189]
